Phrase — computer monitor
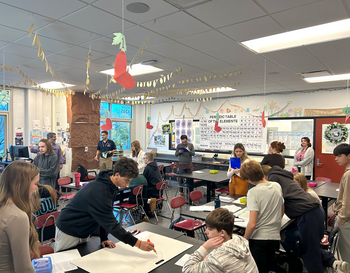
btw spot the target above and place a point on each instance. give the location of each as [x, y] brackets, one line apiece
[19, 151]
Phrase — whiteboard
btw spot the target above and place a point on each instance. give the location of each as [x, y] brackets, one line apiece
[124, 258]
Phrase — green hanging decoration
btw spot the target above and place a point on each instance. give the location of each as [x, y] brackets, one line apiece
[119, 39]
[336, 133]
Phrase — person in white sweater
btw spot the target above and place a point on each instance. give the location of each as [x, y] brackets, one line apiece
[304, 158]
[137, 155]
[230, 253]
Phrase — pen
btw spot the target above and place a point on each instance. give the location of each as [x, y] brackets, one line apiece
[138, 232]
[148, 240]
[134, 231]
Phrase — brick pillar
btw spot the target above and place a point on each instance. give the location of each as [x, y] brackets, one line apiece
[83, 116]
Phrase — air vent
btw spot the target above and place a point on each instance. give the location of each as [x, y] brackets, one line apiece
[319, 73]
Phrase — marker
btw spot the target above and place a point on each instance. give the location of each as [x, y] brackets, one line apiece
[134, 231]
[148, 240]
[138, 232]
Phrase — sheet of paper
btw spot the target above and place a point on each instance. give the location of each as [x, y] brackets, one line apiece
[61, 260]
[238, 201]
[202, 208]
[198, 172]
[231, 208]
[243, 214]
[226, 199]
[183, 260]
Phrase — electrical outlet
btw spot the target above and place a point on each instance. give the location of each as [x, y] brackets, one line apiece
[86, 149]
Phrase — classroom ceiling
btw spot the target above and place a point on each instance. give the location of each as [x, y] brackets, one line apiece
[200, 36]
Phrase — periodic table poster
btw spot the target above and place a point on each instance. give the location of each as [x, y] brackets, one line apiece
[235, 128]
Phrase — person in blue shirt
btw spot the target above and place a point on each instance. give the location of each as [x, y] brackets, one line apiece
[105, 150]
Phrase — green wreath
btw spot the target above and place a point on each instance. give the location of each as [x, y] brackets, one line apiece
[336, 133]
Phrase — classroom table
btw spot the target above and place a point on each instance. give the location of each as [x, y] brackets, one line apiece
[165, 164]
[327, 191]
[94, 244]
[319, 183]
[206, 179]
[73, 187]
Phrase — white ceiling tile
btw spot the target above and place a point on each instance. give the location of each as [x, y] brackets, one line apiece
[21, 19]
[297, 60]
[317, 13]
[103, 24]
[196, 58]
[64, 60]
[206, 40]
[221, 13]
[177, 25]
[48, 8]
[170, 49]
[47, 44]
[273, 6]
[10, 34]
[214, 66]
[30, 52]
[14, 59]
[158, 8]
[252, 29]
[67, 33]
[137, 35]
[104, 45]
[82, 52]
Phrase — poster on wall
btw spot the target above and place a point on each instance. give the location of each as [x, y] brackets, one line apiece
[159, 140]
[19, 137]
[235, 128]
[166, 128]
[183, 127]
[327, 146]
[35, 137]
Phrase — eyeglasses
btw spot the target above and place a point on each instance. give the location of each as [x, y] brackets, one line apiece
[145, 158]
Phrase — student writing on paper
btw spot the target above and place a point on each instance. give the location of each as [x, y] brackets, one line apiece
[309, 217]
[265, 206]
[230, 253]
[18, 236]
[92, 207]
[342, 205]
[237, 185]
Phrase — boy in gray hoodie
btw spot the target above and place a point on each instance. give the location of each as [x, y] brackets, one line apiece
[230, 252]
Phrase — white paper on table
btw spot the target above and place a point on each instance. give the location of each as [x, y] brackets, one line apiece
[226, 199]
[61, 260]
[198, 172]
[243, 214]
[238, 201]
[183, 260]
[231, 208]
[202, 208]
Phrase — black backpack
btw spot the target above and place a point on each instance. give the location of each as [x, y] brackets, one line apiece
[284, 262]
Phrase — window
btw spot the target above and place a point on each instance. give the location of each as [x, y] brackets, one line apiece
[4, 108]
[121, 117]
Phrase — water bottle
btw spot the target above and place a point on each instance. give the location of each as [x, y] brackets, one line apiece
[217, 202]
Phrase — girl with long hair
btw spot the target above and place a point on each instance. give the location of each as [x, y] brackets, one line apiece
[137, 155]
[17, 184]
[304, 158]
[275, 157]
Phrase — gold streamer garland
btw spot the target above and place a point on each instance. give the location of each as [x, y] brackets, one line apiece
[28, 81]
[87, 70]
[138, 52]
[41, 55]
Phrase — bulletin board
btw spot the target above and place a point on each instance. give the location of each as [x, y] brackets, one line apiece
[124, 258]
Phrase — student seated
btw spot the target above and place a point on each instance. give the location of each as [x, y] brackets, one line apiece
[92, 207]
[265, 205]
[152, 175]
[230, 252]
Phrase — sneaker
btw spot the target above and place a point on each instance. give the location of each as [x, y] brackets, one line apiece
[144, 220]
[152, 204]
[340, 266]
[181, 194]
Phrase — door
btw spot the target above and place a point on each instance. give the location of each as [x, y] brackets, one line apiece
[325, 165]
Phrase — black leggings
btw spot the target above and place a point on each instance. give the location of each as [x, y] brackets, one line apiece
[263, 252]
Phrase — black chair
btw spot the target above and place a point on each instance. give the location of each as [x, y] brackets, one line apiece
[84, 174]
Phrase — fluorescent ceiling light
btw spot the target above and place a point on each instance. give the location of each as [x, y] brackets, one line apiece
[137, 69]
[330, 78]
[55, 85]
[221, 89]
[305, 36]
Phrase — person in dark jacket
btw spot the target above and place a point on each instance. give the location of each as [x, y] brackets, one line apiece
[152, 174]
[48, 163]
[92, 207]
[309, 217]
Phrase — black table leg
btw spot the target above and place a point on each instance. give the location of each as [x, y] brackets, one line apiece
[325, 207]
[209, 191]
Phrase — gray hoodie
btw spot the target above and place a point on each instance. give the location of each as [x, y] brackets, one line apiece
[232, 257]
[49, 167]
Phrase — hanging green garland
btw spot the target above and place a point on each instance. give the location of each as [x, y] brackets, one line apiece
[336, 133]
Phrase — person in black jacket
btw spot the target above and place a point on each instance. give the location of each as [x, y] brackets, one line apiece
[92, 207]
[152, 174]
[309, 217]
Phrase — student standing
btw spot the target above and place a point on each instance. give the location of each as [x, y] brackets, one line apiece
[237, 185]
[309, 216]
[265, 206]
[184, 151]
[92, 207]
[137, 155]
[48, 164]
[304, 158]
[105, 150]
[230, 253]
[342, 205]
[18, 236]
[274, 156]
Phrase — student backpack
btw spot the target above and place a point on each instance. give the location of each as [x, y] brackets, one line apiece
[286, 262]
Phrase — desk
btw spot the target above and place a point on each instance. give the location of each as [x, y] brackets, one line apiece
[325, 191]
[207, 179]
[165, 164]
[319, 184]
[94, 244]
[73, 187]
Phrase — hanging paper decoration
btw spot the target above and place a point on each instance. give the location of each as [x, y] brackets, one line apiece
[263, 121]
[119, 39]
[87, 70]
[346, 118]
[122, 76]
[217, 128]
[148, 124]
[107, 126]
[346, 110]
